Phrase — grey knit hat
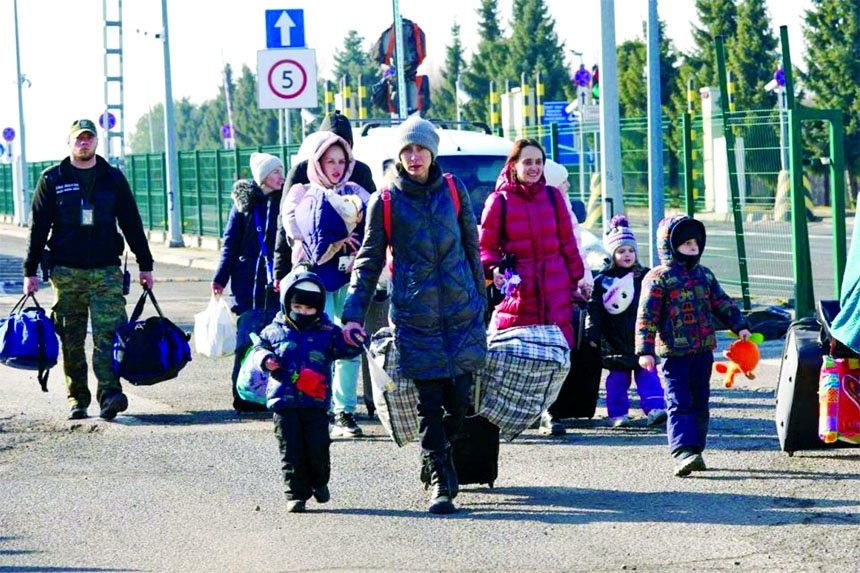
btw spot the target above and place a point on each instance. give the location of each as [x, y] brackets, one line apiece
[420, 132]
[262, 164]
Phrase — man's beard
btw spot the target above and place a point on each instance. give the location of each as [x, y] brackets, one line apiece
[83, 154]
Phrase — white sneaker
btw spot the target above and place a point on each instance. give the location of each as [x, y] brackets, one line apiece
[620, 422]
[656, 417]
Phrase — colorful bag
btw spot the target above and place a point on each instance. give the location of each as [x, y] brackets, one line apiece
[526, 367]
[28, 340]
[395, 396]
[839, 400]
[149, 351]
[251, 382]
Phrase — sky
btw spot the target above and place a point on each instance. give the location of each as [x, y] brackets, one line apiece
[62, 47]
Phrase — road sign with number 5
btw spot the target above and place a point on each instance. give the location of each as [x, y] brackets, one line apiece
[286, 79]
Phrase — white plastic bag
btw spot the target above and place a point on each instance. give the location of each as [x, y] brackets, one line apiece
[215, 329]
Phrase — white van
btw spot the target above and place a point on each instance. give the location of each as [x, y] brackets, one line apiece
[476, 157]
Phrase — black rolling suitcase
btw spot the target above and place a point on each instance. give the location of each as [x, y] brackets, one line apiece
[476, 449]
[578, 395]
[797, 389]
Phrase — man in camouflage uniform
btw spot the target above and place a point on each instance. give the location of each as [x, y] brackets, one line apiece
[76, 209]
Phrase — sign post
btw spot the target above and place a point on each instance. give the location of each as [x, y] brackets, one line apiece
[286, 79]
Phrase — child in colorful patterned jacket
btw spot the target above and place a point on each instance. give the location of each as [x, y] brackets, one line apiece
[298, 348]
[679, 300]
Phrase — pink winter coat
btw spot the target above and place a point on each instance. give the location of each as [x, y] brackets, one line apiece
[541, 238]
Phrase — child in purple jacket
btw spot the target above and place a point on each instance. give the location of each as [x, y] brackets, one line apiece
[679, 300]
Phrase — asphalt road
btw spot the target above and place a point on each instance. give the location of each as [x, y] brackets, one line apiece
[179, 483]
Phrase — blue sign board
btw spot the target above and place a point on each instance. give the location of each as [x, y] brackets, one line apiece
[285, 28]
[555, 112]
[226, 131]
[8, 134]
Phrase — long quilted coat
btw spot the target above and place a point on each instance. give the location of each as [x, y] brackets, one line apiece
[539, 233]
[437, 294]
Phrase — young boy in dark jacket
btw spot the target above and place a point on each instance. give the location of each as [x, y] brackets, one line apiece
[298, 349]
[676, 321]
[611, 324]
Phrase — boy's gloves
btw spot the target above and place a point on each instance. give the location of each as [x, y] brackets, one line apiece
[311, 383]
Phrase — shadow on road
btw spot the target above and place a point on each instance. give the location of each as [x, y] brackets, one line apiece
[579, 506]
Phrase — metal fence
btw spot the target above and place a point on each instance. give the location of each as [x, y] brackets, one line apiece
[205, 181]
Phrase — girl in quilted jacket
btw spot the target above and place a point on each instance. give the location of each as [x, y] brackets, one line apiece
[325, 221]
[297, 350]
[611, 324]
[675, 320]
[526, 221]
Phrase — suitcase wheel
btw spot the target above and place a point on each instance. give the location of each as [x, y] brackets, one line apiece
[790, 454]
[491, 485]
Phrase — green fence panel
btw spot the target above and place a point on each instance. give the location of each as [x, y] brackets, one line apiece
[7, 205]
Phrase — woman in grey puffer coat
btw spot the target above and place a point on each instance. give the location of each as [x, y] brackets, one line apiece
[438, 296]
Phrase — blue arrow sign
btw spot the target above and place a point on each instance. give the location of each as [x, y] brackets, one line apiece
[285, 28]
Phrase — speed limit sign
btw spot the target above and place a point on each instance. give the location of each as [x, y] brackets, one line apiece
[286, 79]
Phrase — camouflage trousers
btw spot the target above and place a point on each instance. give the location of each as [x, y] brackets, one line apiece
[79, 294]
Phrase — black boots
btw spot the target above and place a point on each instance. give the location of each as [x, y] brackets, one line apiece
[426, 471]
[440, 493]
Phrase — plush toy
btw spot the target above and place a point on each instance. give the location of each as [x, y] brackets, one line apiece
[310, 383]
[743, 356]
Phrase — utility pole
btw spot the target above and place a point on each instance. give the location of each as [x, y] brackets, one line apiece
[23, 185]
[610, 125]
[174, 218]
[402, 100]
[655, 132]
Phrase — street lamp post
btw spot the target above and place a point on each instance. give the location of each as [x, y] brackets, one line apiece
[23, 201]
[174, 219]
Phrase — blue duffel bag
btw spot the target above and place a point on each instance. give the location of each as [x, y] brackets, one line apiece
[28, 340]
[149, 351]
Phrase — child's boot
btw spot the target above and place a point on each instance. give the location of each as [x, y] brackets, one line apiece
[440, 497]
[688, 461]
[296, 506]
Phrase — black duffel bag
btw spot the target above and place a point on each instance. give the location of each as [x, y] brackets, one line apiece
[149, 351]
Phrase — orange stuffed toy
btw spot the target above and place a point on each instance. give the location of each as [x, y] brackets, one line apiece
[743, 357]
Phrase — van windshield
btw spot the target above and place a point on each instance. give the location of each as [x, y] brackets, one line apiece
[478, 172]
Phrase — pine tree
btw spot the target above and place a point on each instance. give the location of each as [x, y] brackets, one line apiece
[632, 58]
[717, 17]
[535, 47]
[354, 61]
[832, 32]
[444, 100]
[753, 56]
[486, 64]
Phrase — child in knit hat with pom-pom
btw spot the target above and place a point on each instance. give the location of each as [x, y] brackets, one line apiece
[611, 323]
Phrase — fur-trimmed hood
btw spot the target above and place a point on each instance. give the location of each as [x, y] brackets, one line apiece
[245, 194]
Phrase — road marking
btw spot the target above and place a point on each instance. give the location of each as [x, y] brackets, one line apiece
[773, 278]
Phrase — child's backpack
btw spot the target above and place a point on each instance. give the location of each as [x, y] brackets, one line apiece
[28, 340]
[149, 351]
[385, 193]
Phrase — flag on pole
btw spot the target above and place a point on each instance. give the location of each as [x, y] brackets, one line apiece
[462, 96]
[307, 117]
